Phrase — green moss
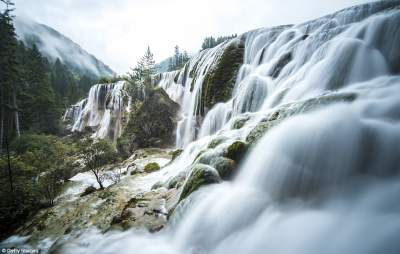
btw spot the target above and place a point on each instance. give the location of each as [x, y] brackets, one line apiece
[236, 151]
[176, 153]
[151, 167]
[151, 124]
[288, 110]
[239, 123]
[225, 167]
[176, 181]
[200, 175]
[106, 194]
[219, 81]
[216, 141]
[199, 154]
[259, 131]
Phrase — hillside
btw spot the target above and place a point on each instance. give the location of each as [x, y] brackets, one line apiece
[55, 45]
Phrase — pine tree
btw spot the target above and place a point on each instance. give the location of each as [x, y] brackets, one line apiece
[9, 119]
[40, 112]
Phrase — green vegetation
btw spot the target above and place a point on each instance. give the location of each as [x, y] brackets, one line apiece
[96, 155]
[178, 60]
[140, 78]
[151, 167]
[172, 63]
[219, 82]
[210, 42]
[151, 123]
[39, 165]
[236, 151]
[200, 175]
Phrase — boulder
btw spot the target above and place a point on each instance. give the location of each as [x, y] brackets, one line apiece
[176, 181]
[236, 151]
[200, 175]
[88, 191]
[151, 124]
[176, 153]
[225, 167]
[151, 167]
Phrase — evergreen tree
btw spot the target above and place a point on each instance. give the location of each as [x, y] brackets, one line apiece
[146, 65]
[9, 115]
[39, 109]
[139, 78]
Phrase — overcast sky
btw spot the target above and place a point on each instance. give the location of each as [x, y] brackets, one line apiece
[118, 31]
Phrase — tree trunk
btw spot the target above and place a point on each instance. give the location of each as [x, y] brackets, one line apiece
[16, 114]
[10, 178]
[98, 179]
[2, 119]
[1, 128]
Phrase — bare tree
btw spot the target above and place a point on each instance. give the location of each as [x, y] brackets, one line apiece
[97, 154]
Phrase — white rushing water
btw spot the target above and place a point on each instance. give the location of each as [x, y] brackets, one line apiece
[321, 182]
[102, 110]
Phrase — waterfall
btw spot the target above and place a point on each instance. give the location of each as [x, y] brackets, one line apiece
[326, 181]
[102, 110]
[185, 87]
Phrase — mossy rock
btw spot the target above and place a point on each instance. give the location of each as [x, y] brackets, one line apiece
[151, 167]
[295, 108]
[199, 155]
[207, 156]
[239, 122]
[151, 124]
[176, 181]
[106, 194]
[236, 151]
[176, 153]
[200, 175]
[88, 190]
[216, 141]
[259, 131]
[220, 80]
[225, 167]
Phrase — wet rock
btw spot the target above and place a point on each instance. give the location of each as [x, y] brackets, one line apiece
[88, 191]
[146, 210]
[225, 167]
[151, 167]
[216, 141]
[176, 153]
[200, 175]
[151, 124]
[236, 151]
[239, 122]
[260, 130]
[176, 181]
[219, 82]
[280, 64]
[288, 110]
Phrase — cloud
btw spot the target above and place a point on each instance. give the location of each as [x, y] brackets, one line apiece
[118, 31]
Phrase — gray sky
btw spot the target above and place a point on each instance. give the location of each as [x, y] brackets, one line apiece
[118, 31]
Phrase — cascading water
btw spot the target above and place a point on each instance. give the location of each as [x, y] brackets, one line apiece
[185, 87]
[102, 110]
[326, 181]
